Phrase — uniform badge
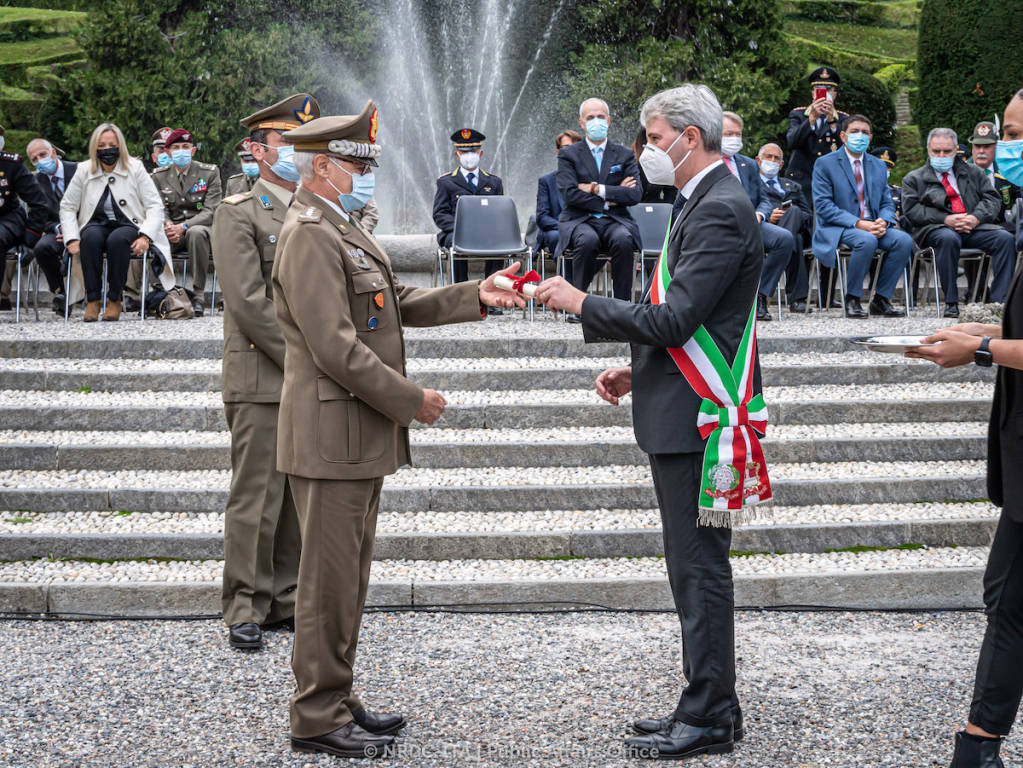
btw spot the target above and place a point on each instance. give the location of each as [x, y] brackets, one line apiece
[983, 130]
[3, 182]
[486, 189]
[359, 257]
[198, 187]
[373, 124]
[834, 146]
[466, 134]
[372, 323]
[272, 239]
[379, 300]
[305, 114]
[265, 202]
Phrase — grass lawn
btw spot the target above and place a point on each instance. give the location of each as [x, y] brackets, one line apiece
[42, 50]
[877, 41]
[9, 15]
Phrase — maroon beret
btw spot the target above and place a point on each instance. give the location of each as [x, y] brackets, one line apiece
[178, 135]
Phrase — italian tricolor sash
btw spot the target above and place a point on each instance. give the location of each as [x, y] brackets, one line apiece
[731, 419]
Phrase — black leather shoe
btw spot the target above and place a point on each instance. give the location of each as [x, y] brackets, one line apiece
[5, 305]
[197, 307]
[879, 305]
[854, 309]
[653, 726]
[379, 723]
[495, 311]
[976, 753]
[245, 635]
[763, 313]
[799, 306]
[58, 304]
[835, 304]
[570, 318]
[951, 310]
[131, 305]
[350, 740]
[286, 625]
[682, 740]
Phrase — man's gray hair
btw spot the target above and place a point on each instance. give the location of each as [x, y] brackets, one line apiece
[944, 133]
[768, 144]
[49, 146]
[594, 98]
[304, 164]
[736, 117]
[687, 105]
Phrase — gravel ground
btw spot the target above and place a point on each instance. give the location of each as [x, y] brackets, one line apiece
[839, 690]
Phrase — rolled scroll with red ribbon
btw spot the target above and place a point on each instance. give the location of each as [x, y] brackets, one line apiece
[525, 284]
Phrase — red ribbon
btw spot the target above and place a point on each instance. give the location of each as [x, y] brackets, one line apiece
[518, 282]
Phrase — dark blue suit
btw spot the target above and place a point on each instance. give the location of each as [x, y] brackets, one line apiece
[590, 224]
[450, 187]
[837, 206]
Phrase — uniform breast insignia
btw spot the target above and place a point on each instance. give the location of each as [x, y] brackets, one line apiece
[834, 146]
[272, 239]
[379, 300]
[199, 187]
[167, 192]
[264, 200]
[359, 257]
[3, 182]
[310, 214]
[487, 189]
[372, 323]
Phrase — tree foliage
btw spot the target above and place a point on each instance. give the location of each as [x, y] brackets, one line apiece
[202, 66]
[635, 48]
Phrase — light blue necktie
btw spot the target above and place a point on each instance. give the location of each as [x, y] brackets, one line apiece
[598, 155]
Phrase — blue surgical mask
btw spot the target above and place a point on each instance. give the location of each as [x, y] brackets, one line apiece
[250, 169]
[163, 160]
[942, 164]
[47, 165]
[362, 189]
[596, 128]
[770, 168]
[285, 164]
[1009, 156]
[181, 157]
[857, 142]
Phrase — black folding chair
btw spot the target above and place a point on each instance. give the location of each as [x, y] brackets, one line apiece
[153, 253]
[654, 220]
[22, 256]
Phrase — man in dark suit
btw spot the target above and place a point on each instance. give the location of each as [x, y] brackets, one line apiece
[53, 174]
[854, 209]
[549, 203]
[791, 211]
[814, 131]
[951, 205]
[714, 256]
[17, 186]
[598, 181]
[467, 179]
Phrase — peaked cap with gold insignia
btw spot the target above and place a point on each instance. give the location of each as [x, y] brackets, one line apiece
[467, 138]
[351, 137]
[285, 115]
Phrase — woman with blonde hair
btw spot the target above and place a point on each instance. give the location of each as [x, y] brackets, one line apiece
[115, 209]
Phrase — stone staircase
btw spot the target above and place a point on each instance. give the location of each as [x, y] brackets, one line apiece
[114, 469]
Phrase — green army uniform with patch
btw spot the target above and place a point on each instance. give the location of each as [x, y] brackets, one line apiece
[239, 183]
[191, 197]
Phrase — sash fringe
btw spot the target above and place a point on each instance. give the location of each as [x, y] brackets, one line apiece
[732, 518]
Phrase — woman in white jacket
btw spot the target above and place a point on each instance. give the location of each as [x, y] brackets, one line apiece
[113, 208]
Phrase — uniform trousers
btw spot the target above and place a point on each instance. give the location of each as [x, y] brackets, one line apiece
[262, 541]
[338, 520]
[700, 576]
[115, 239]
[597, 234]
[12, 232]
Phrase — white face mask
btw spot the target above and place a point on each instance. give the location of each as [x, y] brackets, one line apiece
[469, 160]
[769, 168]
[1, 143]
[657, 164]
[730, 145]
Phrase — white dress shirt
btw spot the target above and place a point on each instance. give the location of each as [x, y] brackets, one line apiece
[335, 206]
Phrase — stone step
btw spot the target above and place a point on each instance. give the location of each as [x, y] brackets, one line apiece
[498, 489]
[500, 373]
[482, 535]
[941, 578]
[439, 448]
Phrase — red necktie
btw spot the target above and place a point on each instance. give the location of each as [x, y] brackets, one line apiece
[953, 197]
[728, 162]
[859, 189]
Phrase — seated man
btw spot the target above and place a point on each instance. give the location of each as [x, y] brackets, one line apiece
[791, 211]
[984, 140]
[191, 193]
[467, 179]
[53, 174]
[951, 205]
[239, 183]
[854, 209]
[598, 181]
[159, 157]
[549, 203]
[17, 185]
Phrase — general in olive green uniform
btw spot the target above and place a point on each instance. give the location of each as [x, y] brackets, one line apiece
[261, 536]
[345, 411]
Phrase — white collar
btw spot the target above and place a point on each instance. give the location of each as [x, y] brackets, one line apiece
[592, 146]
[335, 206]
[59, 172]
[690, 187]
[853, 158]
[768, 179]
[465, 173]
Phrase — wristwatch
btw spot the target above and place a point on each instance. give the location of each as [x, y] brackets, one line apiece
[982, 356]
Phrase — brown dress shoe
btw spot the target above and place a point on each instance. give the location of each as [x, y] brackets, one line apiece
[113, 312]
[347, 741]
[91, 312]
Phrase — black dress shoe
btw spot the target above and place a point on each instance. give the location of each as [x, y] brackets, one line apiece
[58, 304]
[976, 753]
[245, 635]
[879, 305]
[799, 306]
[835, 304]
[854, 309]
[682, 740]
[5, 305]
[131, 305]
[662, 724]
[495, 311]
[350, 740]
[287, 625]
[197, 307]
[571, 318]
[379, 723]
[763, 313]
[951, 310]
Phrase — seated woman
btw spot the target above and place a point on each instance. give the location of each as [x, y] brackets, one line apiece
[115, 209]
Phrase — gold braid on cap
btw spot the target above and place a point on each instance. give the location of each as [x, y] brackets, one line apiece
[276, 125]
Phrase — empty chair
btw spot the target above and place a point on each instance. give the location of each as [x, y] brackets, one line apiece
[654, 220]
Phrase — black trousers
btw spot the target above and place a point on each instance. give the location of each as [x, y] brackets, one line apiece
[48, 253]
[947, 244]
[462, 267]
[999, 684]
[594, 235]
[115, 239]
[797, 278]
[700, 576]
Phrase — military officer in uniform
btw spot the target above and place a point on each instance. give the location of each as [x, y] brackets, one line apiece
[17, 184]
[983, 141]
[158, 156]
[243, 181]
[345, 411]
[814, 131]
[467, 179]
[261, 536]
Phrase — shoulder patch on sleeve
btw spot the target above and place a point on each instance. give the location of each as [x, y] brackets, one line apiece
[235, 199]
[310, 214]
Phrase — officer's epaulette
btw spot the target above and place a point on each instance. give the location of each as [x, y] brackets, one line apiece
[205, 166]
[452, 174]
[310, 214]
[239, 198]
[484, 172]
[843, 113]
[14, 156]
[999, 176]
[157, 170]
